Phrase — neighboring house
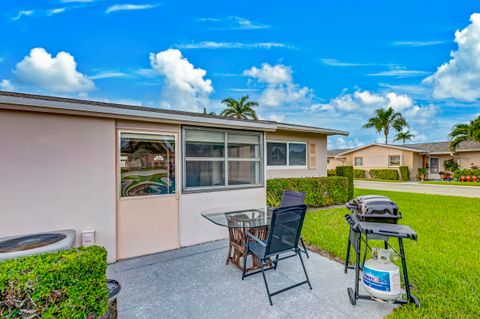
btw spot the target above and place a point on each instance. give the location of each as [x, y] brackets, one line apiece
[139, 177]
[332, 160]
[429, 155]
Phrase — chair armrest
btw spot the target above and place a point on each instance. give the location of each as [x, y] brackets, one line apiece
[255, 238]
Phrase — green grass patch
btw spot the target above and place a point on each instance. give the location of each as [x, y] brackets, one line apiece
[443, 265]
[379, 180]
[452, 183]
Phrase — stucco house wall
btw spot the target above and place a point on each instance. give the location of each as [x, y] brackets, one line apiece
[57, 172]
[316, 155]
[332, 162]
[466, 159]
[374, 157]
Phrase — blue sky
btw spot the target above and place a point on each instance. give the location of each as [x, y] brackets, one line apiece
[327, 64]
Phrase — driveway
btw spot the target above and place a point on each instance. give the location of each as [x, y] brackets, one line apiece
[194, 282]
[412, 187]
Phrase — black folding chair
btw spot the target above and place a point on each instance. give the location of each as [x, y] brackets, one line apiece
[290, 198]
[283, 236]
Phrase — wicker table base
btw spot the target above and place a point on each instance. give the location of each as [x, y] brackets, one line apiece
[236, 249]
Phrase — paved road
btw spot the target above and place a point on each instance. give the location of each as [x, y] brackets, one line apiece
[466, 191]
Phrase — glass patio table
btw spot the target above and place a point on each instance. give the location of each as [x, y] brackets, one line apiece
[239, 220]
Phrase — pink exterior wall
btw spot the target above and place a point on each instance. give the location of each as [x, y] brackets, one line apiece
[195, 229]
[57, 172]
[321, 155]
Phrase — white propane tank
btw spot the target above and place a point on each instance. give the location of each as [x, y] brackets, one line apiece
[381, 277]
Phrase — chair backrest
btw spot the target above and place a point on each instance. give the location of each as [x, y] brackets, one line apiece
[285, 229]
[292, 199]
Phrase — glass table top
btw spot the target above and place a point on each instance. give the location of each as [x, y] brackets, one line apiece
[240, 217]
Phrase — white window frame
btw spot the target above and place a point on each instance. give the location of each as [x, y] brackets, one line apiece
[399, 160]
[288, 166]
[225, 159]
[354, 162]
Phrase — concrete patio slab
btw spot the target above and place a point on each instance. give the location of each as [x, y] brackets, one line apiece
[194, 282]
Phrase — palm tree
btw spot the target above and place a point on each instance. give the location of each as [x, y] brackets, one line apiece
[240, 109]
[465, 132]
[403, 136]
[384, 120]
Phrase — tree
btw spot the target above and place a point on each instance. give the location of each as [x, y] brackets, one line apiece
[386, 119]
[240, 109]
[464, 132]
[403, 136]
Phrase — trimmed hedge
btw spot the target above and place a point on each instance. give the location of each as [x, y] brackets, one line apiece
[320, 191]
[331, 172]
[359, 173]
[466, 172]
[404, 173]
[65, 284]
[347, 171]
[386, 174]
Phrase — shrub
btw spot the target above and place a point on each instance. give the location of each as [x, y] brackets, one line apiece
[386, 174]
[451, 165]
[319, 191]
[331, 172]
[359, 173]
[347, 171]
[65, 284]
[466, 172]
[404, 173]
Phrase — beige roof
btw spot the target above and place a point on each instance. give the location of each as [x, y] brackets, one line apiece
[54, 104]
[427, 148]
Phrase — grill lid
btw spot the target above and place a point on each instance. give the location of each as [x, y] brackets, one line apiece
[374, 206]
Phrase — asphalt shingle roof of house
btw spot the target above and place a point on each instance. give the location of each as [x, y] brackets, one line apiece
[434, 147]
[337, 151]
[115, 109]
[442, 147]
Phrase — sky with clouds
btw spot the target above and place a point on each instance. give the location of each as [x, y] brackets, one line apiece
[327, 64]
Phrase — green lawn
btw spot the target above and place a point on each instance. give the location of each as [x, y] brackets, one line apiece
[378, 180]
[452, 183]
[444, 264]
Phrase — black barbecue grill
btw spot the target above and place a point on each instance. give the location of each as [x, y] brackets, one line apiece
[375, 208]
[375, 217]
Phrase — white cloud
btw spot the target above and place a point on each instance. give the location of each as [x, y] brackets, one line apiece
[335, 62]
[232, 45]
[364, 103]
[56, 11]
[185, 86]
[6, 85]
[400, 73]
[280, 89]
[271, 74]
[23, 13]
[274, 117]
[343, 142]
[460, 77]
[234, 23]
[107, 75]
[129, 7]
[417, 43]
[56, 74]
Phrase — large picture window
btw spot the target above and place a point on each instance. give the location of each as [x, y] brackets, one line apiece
[147, 164]
[216, 159]
[286, 154]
